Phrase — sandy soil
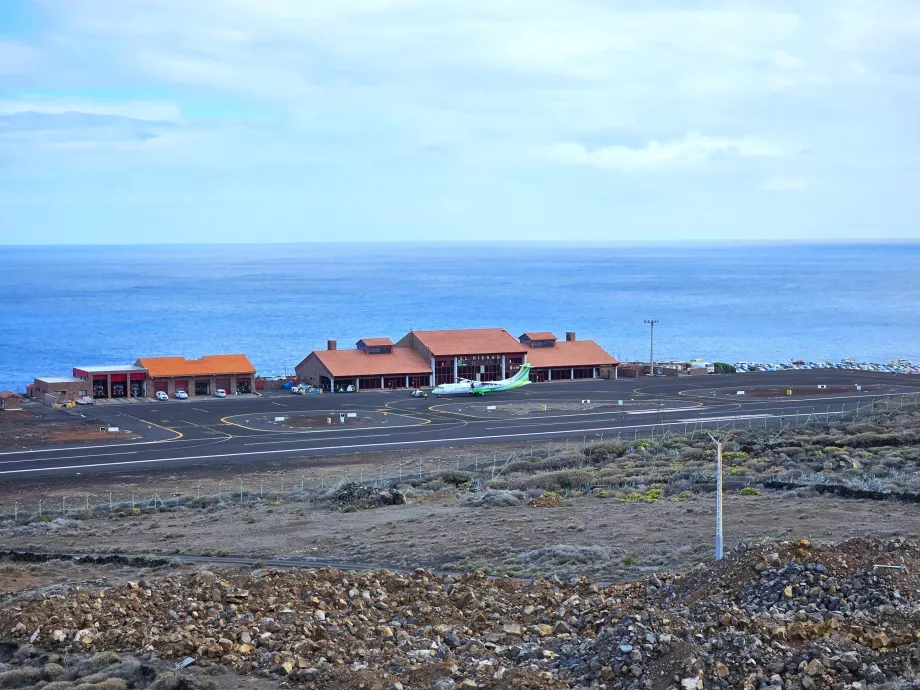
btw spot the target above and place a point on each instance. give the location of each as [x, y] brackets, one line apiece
[315, 421]
[598, 537]
[25, 428]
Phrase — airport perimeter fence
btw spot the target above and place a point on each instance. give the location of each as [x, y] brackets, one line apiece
[480, 467]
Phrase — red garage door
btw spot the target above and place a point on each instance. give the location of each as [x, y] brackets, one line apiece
[222, 384]
[160, 386]
[181, 386]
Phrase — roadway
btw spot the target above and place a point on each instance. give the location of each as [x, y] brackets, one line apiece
[244, 429]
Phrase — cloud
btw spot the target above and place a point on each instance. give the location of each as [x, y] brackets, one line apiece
[786, 184]
[691, 151]
[477, 102]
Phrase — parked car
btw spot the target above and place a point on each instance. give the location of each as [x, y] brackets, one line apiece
[162, 396]
[220, 393]
[85, 400]
[181, 395]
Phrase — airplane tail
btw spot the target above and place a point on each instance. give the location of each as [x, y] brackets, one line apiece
[523, 372]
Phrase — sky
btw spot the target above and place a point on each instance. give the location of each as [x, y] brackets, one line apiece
[165, 121]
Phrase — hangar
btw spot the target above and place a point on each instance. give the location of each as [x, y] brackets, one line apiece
[123, 381]
[204, 376]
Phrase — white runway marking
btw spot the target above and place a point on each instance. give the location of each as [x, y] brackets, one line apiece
[355, 447]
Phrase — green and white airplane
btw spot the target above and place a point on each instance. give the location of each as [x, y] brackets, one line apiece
[466, 387]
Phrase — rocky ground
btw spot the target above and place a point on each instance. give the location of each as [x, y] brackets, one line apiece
[786, 614]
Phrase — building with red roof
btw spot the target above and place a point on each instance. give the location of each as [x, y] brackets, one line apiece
[551, 360]
[374, 363]
[430, 358]
[204, 376]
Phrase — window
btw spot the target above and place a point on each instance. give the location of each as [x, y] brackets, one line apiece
[443, 371]
[480, 367]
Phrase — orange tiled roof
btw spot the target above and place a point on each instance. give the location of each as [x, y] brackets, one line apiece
[539, 335]
[376, 342]
[578, 353]
[399, 362]
[209, 365]
[469, 341]
[8, 394]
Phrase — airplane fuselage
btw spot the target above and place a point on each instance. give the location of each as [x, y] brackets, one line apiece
[521, 378]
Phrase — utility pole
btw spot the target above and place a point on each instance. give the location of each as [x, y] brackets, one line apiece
[651, 356]
[718, 497]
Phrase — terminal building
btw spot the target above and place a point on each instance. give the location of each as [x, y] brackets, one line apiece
[430, 358]
[570, 359]
[475, 354]
[374, 363]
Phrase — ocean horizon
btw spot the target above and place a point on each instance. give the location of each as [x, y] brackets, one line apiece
[82, 305]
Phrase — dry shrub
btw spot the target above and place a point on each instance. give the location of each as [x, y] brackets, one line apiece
[555, 481]
[498, 498]
[565, 553]
[547, 500]
[20, 677]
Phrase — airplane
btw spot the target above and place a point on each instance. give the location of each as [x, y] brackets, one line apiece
[467, 387]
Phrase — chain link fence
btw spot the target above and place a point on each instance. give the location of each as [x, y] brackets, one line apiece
[479, 466]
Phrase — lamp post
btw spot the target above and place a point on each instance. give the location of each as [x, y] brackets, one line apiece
[718, 497]
[651, 355]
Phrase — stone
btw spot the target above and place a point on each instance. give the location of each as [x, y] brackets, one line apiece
[512, 629]
[879, 640]
[814, 668]
[721, 670]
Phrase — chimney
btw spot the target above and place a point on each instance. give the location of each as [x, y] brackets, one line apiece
[570, 336]
[330, 345]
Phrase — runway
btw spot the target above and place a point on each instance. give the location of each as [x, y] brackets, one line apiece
[246, 430]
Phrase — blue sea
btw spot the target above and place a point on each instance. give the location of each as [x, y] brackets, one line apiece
[69, 306]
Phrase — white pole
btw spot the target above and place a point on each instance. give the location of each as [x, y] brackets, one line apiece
[719, 503]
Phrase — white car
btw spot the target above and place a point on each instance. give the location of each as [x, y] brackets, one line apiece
[181, 395]
[220, 393]
[162, 396]
[85, 400]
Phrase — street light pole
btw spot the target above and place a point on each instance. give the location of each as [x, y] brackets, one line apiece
[651, 355]
[718, 498]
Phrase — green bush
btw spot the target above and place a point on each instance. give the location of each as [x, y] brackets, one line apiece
[750, 491]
